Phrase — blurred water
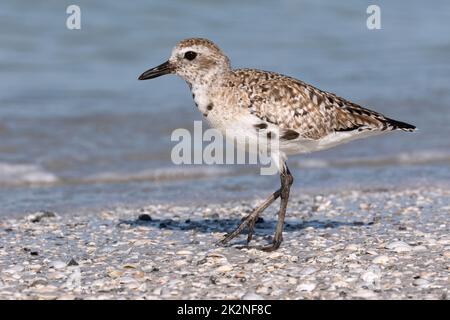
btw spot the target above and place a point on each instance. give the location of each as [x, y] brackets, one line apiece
[77, 130]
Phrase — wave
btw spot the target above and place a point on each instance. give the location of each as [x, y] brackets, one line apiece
[25, 174]
[29, 174]
[159, 175]
[413, 158]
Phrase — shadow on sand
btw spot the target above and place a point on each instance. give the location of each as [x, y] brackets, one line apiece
[262, 228]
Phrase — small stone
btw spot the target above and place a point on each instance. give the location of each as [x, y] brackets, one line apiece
[263, 289]
[306, 286]
[14, 270]
[380, 260]
[308, 270]
[66, 297]
[184, 253]
[148, 268]
[72, 262]
[38, 216]
[35, 267]
[225, 268]
[180, 263]
[352, 247]
[364, 206]
[127, 280]
[46, 289]
[275, 255]
[115, 273]
[252, 296]
[58, 265]
[324, 259]
[446, 254]
[364, 294]
[145, 217]
[399, 246]
[39, 282]
[419, 248]
[56, 275]
[421, 283]
[370, 277]
[213, 279]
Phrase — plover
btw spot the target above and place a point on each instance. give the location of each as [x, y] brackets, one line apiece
[259, 103]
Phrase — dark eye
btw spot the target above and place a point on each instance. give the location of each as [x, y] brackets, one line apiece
[190, 55]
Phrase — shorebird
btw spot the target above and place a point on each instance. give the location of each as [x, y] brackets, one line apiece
[266, 104]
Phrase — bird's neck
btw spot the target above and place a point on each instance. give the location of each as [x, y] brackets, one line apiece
[208, 77]
[207, 80]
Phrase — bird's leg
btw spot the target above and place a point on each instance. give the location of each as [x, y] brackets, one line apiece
[251, 229]
[286, 181]
[251, 218]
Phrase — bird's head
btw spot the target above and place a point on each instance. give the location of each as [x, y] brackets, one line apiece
[196, 60]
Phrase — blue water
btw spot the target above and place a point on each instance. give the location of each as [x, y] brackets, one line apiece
[78, 131]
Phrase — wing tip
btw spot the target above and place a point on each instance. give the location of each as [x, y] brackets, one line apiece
[398, 125]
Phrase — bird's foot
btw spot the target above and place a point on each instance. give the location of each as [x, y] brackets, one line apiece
[271, 247]
[249, 222]
[268, 248]
[230, 236]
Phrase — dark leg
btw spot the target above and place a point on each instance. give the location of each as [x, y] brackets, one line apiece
[286, 181]
[251, 218]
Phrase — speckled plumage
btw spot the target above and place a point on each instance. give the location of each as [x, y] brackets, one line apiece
[261, 105]
[313, 113]
[307, 118]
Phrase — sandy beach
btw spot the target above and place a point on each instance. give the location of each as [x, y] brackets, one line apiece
[358, 244]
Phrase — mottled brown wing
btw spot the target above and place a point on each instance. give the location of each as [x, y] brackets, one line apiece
[294, 105]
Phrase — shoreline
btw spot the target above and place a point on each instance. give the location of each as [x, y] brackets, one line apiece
[358, 244]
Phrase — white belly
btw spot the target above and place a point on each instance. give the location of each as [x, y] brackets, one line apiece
[301, 146]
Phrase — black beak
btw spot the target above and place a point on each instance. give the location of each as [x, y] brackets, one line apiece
[158, 71]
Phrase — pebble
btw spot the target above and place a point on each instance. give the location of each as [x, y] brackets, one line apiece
[225, 268]
[365, 294]
[66, 297]
[38, 216]
[370, 277]
[184, 253]
[145, 217]
[14, 269]
[308, 270]
[58, 265]
[39, 282]
[352, 247]
[72, 263]
[306, 286]
[381, 260]
[421, 282]
[399, 246]
[419, 248]
[127, 280]
[252, 296]
[115, 273]
[56, 275]
[263, 290]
